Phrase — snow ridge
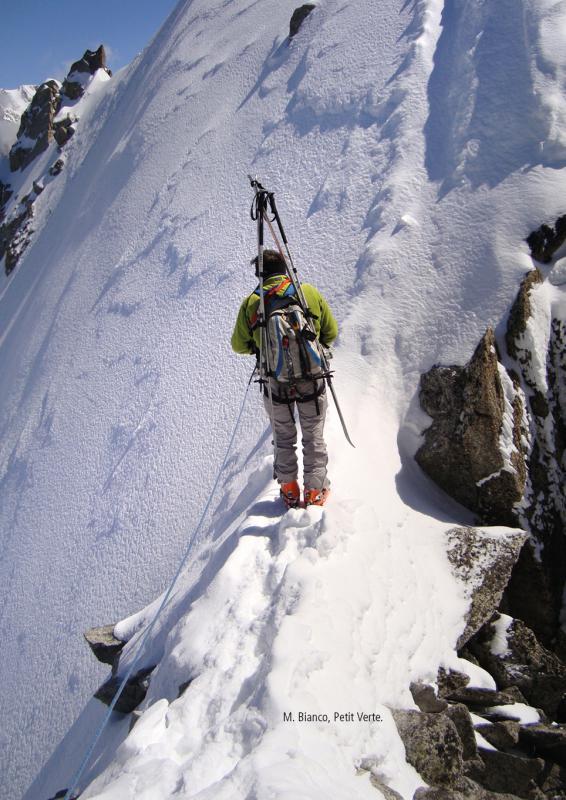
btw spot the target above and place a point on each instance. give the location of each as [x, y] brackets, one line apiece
[120, 390]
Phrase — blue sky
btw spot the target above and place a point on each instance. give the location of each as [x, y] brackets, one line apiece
[41, 38]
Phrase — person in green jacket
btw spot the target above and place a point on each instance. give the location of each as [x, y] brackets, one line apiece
[307, 396]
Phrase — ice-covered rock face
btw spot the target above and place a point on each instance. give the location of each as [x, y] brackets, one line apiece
[13, 103]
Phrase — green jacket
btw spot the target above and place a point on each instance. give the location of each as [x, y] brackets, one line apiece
[246, 341]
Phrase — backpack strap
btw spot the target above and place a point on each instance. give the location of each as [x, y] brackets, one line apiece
[272, 296]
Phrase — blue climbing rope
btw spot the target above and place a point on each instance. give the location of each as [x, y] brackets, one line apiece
[167, 595]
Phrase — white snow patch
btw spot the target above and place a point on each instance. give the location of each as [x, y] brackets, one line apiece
[525, 714]
[479, 677]
[557, 275]
[498, 645]
[477, 720]
[482, 742]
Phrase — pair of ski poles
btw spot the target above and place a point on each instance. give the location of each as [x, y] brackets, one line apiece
[264, 201]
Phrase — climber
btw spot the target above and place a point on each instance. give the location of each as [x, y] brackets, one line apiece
[293, 368]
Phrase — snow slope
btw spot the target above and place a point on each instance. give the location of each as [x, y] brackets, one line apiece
[406, 198]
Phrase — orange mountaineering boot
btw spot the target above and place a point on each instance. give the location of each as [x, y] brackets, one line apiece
[316, 497]
[291, 494]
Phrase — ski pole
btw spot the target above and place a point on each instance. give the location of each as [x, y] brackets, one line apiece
[294, 278]
[258, 211]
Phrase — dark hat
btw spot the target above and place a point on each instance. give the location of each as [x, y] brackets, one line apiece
[273, 264]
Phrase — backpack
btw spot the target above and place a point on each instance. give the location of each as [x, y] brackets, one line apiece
[290, 343]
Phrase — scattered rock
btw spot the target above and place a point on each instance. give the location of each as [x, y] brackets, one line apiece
[57, 167]
[461, 450]
[483, 562]
[554, 783]
[432, 746]
[469, 790]
[502, 735]
[105, 646]
[450, 681]
[132, 695]
[547, 741]
[299, 16]
[426, 699]
[183, 687]
[462, 720]
[525, 663]
[480, 698]
[504, 772]
[63, 130]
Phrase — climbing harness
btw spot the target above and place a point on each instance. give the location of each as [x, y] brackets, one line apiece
[167, 596]
[263, 204]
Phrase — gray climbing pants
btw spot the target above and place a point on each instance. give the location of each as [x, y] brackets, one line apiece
[283, 423]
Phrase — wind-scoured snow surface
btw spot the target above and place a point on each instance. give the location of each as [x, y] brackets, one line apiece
[412, 147]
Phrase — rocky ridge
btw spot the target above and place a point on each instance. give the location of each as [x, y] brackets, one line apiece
[47, 120]
[496, 444]
[498, 438]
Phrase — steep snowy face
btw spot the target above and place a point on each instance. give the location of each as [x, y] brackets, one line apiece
[13, 103]
[119, 391]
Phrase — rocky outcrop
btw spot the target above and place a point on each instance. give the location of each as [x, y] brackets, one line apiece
[426, 699]
[299, 16]
[546, 741]
[105, 646]
[512, 654]
[536, 590]
[473, 447]
[132, 694]
[497, 442]
[42, 123]
[545, 241]
[107, 649]
[432, 746]
[36, 127]
[483, 562]
[15, 234]
[5, 194]
[512, 759]
[509, 772]
[63, 130]
[92, 60]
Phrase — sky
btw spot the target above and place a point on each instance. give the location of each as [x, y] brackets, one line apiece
[41, 39]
